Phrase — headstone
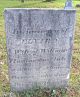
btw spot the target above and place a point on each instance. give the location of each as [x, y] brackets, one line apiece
[68, 4]
[39, 46]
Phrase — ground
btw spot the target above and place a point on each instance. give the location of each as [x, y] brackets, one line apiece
[74, 88]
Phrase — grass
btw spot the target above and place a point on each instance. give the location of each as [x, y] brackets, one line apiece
[74, 88]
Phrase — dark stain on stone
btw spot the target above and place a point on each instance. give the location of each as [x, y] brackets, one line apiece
[49, 33]
[19, 26]
[12, 23]
[29, 18]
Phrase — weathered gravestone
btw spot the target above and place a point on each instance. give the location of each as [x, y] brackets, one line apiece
[68, 4]
[39, 46]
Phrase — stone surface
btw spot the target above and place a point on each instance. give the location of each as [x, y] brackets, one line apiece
[39, 46]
